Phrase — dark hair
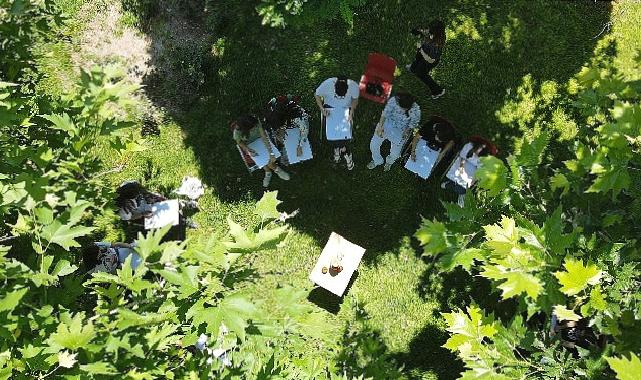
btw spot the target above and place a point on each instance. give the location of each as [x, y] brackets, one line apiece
[90, 256]
[405, 101]
[477, 144]
[437, 30]
[445, 133]
[127, 190]
[246, 123]
[282, 112]
[340, 87]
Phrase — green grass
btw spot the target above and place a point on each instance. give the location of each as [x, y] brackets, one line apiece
[491, 48]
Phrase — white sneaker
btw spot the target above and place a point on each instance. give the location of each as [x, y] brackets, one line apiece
[461, 200]
[267, 179]
[349, 161]
[438, 95]
[387, 167]
[282, 174]
[337, 155]
[372, 165]
[443, 185]
[408, 67]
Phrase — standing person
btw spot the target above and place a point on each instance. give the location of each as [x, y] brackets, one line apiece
[335, 97]
[246, 130]
[428, 55]
[400, 116]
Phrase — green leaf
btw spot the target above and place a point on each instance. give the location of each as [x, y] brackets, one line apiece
[463, 258]
[62, 122]
[614, 179]
[266, 207]
[577, 276]
[63, 268]
[560, 181]
[433, 237]
[555, 239]
[502, 238]
[491, 175]
[565, 314]
[73, 334]
[516, 281]
[626, 369]
[64, 234]
[99, 368]
[185, 279]
[11, 299]
[468, 331]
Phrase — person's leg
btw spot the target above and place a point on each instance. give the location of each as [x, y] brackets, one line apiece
[431, 83]
[278, 170]
[420, 68]
[347, 153]
[375, 147]
[395, 152]
[268, 176]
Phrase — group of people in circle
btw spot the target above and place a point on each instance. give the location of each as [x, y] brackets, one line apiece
[265, 140]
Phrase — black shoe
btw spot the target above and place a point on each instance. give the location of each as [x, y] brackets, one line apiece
[438, 95]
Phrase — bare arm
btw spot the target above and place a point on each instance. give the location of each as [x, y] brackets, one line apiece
[445, 150]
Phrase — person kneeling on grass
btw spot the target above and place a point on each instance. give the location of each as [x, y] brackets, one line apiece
[248, 129]
[285, 113]
[337, 99]
[400, 116]
[107, 257]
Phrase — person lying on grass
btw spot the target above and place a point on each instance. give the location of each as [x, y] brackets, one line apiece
[339, 96]
[246, 130]
[400, 116]
[283, 113]
[107, 257]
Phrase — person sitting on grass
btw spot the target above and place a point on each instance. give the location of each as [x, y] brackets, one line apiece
[438, 134]
[246, 130]
[338, 97]
[399, 118]
[285, 113]
[107, 257]
[134, 202]
[428, 55]
[460, 176]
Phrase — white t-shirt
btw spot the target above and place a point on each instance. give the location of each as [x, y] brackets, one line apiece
[327, 91]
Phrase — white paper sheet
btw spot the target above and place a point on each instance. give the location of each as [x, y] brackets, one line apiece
[163, 213]
[262, 157]
[291, 145]
[337, 126]
[465, 176]
[425, 160]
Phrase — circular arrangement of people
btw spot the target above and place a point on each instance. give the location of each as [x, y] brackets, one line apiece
[327, 189]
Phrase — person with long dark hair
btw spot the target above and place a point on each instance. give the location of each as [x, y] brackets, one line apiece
[428, 55]
[134, 202]
[246, 130]
[284, 113]
[399, 118]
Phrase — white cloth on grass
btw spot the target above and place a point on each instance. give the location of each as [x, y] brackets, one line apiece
[191, 187]
[163, 213]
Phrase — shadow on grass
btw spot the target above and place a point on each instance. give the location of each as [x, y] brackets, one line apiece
[490, 48]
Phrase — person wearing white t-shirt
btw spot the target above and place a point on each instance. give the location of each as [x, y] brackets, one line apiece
[339, 96]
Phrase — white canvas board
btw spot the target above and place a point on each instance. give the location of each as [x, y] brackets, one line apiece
[338, 126]
[351, 254]
[462, 176]
[425, 160]
[291, 145]
[262, 155]
[163, 213]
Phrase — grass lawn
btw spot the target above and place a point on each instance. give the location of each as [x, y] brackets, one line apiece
[496, 52]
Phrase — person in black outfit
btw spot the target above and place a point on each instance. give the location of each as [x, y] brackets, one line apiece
[428, 55]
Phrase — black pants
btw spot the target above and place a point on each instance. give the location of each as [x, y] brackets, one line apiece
[422, 69]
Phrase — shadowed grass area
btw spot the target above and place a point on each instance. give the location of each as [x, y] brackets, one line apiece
[492, 47]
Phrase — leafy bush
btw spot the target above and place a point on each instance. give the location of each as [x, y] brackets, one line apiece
[558, 237]
[279, 13]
